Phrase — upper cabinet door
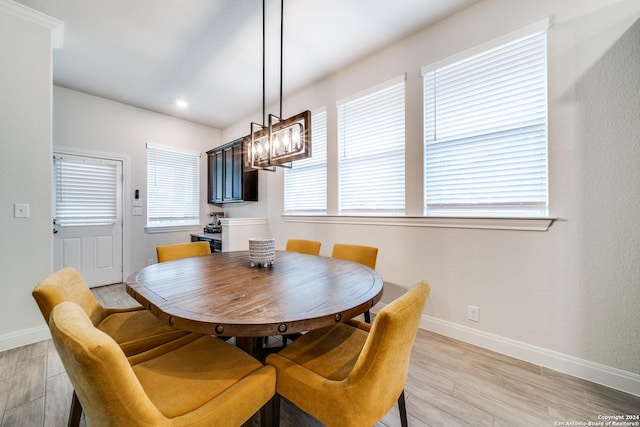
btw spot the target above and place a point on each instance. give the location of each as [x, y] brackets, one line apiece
[227, 181]
[214, 175]
[232, 173]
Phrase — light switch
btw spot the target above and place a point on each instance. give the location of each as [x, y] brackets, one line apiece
[21, 210]
[137, 211]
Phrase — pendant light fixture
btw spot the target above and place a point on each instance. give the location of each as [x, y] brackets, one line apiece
[281, 141]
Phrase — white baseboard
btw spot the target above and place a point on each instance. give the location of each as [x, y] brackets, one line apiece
[24, 337]
[618, 379]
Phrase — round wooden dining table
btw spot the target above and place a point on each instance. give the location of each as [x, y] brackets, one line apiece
[221, 294]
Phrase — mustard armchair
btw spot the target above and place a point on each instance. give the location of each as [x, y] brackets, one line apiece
[193, 381]
[351, 374]
[310, 247]
[365, 255]
[182, 250]
[134, 329]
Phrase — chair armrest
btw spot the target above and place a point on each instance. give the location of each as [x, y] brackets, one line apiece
[110, 311]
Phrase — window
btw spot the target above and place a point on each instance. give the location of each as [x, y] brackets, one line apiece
[371, 147]
[305, 184]
[485, 132]
[173, 187]
[86, 190]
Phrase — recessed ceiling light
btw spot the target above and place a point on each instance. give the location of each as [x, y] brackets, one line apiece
[181, 103]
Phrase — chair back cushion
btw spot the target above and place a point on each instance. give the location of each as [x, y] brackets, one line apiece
[182, 250]
[101, 375]
[383, 364]
[67, 285]
[366, 255]
[310, 247]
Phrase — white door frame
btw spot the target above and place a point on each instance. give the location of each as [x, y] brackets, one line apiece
[126, 196]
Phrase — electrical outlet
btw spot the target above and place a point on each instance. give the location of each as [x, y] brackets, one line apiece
[473, 313]
[151, 261]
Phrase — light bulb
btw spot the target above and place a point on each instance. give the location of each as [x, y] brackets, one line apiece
[296, 138]
[286, 141]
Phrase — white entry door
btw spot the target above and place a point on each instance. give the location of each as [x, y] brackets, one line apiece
[87, 198]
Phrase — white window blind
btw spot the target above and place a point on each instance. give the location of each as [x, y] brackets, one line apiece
[86, 191]
[305, 184]
[485, 132]
[371, 144]
[173, 187]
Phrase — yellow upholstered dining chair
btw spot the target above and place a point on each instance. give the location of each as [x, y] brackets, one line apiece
[310, 247]
[134, 329]
[365, 255]
[193, 381]
[351, 374]
[182, 250]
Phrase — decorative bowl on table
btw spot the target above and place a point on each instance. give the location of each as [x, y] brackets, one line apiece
[262, 251]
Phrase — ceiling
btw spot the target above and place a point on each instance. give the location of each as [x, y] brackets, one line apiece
[150, 53]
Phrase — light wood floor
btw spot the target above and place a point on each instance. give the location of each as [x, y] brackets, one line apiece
[450, 384]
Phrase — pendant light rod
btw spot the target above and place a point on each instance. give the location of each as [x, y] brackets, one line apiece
[283, 140]
[281, 51]
[264, 103]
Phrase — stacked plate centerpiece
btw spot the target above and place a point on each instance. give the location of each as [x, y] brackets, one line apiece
[262, 251]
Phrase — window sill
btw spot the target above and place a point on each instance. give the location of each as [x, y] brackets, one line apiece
[494, 223]
[172, 228]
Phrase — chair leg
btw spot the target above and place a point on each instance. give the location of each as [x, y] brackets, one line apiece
[267, 413]
[275, 401]
[403, 410]
[75, 413]
[367, 317]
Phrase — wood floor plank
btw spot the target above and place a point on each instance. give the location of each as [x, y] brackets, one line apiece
[8, 361]
[54, 364]
[434, 400]
[427, 373]
[392, 419]
[606, 400]
[4, 396]
[57, 400]
[560, 399]
[517, 410]
[29, 414]
[29, 382]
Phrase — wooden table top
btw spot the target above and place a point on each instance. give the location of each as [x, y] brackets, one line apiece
[220, 294]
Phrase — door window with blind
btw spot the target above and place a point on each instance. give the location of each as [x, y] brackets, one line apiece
[86, 190]
[485, 132]
[305, 184]
[371, 151]
[173, 188]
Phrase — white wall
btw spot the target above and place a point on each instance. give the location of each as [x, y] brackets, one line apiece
[25, 172]
[97, 125]
[570, 293]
